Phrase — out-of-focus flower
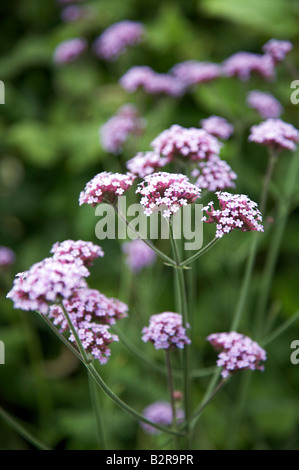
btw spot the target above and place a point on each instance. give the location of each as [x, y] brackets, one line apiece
[214, 174]
[69, 251]
[151, 82]
[74, 13]
[166, 191]
[236, 211]
[106, 187]
[166, 331]
[70, 50]
[264, 103]
[243, 64]
[145, 163]
[138, 255]
[7, 256]
[46, 282]
[277, 49]
[117, 38]
[238, 352]
[193, 72]
[217, 126]
[276, 134]
[160, 412]
[116, 131]
[187, 143]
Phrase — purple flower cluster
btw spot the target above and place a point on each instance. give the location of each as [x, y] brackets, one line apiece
[214, 174]
[218, 127]
[70, 251]
[275, 134]
[166, 331]
[73, 13]
[186, 143]
[106, 187]
[138, 255]
[236, 211]
[193, 72]
[243, 64]
[145, 163]
[117, 38]
[7, 256]
[160, 412]
[69, 50]
[277, 49]
[116, 131]
[265, 104]
[151, 82]
[238, 352]
[47, 281]
[168, 191]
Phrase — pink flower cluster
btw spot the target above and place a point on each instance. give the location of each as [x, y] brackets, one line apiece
[275, 134]
[166, 191]
[238, 352]
[265, 104]
[236, 211]
[7, 256]
[187, 143]
[218, 127]
[214, 174]
[91, 313]
[165, 331]
[193, 72]
[116, 131]
[70, 251]
[106, 187]
[151, 82]
[117, 38]
[243, 64]
[277, 49]
[160, 412]
[69, 50]
[145, 163]
[138, 255]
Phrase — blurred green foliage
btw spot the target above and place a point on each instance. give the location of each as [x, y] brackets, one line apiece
[50, 148]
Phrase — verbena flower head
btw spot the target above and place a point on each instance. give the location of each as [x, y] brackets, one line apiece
[160, 412]
[138, 255]
[277, 49]
[236, 211]
[264, 103]
[166, 331]
[106, 187]
[145, 163]
[89, 305]
[116, 131]
[69, 251]
[276, 134]
[214, 174]
[243, 64]
[117, 38]
[238, 352]
[48, 281]
[217, 126]
[151, 82]
[187, 143]
[73, 13]
[7, 256]
[166, 191]
[70, 50]
[193, 72]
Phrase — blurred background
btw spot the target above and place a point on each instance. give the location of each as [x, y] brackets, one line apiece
[50, 148]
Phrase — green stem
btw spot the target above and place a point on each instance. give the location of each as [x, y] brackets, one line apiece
[22, 431]
[98, 414]
[200, 252]
[279, 330]
[183, 309]
[171, 392]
